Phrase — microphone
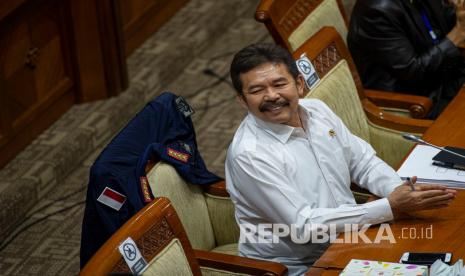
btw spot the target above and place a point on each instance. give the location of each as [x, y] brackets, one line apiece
[411, 137]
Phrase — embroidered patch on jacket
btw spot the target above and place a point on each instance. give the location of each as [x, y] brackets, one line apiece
[144, 186]
[183, 157]
[332, 133]
[111, 198]
[184, 107]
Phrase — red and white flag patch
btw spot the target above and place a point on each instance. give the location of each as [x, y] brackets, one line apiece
[112, 198]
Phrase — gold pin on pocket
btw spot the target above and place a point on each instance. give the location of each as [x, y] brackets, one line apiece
[332, 133]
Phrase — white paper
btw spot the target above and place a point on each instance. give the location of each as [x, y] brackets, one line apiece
[420, 163]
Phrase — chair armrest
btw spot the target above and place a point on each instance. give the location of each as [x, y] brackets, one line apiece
[216, 189]
[399, 123]
[360, 194]
[238, 264]
[418, 106]
[355, 188]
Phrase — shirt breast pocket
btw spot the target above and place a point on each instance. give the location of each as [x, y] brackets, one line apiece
[339, 157]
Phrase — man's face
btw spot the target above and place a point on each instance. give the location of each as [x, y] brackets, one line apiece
[272, 94]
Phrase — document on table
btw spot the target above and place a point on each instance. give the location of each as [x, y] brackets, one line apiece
[420, 163]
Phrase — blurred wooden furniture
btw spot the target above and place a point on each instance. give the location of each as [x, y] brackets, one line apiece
[55, 53]
[341, 90]
[410, 234]
[141, 18]
[52, 55]
[164, 244]
[292, 22]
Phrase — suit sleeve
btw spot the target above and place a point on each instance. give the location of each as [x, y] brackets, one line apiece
[386, 42]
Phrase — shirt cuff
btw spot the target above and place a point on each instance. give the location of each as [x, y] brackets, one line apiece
[379, 211]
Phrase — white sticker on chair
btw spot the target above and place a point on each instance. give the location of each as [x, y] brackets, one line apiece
[306, 68]
[132, 256]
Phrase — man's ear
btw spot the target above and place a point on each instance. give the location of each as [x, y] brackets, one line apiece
[242, 101]
[301, 87]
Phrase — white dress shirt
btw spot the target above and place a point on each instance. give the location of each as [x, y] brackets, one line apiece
[281, 174]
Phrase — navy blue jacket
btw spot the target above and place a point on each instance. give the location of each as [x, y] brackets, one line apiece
[162, 129]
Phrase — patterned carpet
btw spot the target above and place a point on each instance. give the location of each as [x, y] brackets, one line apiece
[43, 239]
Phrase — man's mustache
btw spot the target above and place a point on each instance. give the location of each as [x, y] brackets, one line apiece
[268, 105]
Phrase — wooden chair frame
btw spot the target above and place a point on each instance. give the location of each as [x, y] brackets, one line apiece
[152, 228]
[281, 18]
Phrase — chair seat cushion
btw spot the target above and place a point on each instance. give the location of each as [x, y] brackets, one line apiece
[230, 249]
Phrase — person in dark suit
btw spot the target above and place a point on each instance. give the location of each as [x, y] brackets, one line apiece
[410, 46]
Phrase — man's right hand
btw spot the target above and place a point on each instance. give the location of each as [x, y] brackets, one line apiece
[425, 196]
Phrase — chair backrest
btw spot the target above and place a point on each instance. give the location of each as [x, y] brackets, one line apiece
[340, 88]
[292, 22]
[161, 239]
[189, 202]
[339, 85]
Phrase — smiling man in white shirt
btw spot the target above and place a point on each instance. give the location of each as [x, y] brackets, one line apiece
[292, 161]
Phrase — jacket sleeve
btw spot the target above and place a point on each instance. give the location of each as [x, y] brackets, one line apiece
[381, 32]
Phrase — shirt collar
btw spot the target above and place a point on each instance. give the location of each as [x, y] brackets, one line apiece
[280, 131]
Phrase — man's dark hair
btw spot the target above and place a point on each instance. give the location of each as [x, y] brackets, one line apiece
[257, 54]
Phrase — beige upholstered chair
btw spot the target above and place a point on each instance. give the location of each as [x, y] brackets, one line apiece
[341, 91]
[292, 22]
[206, 213]
[162, 241]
